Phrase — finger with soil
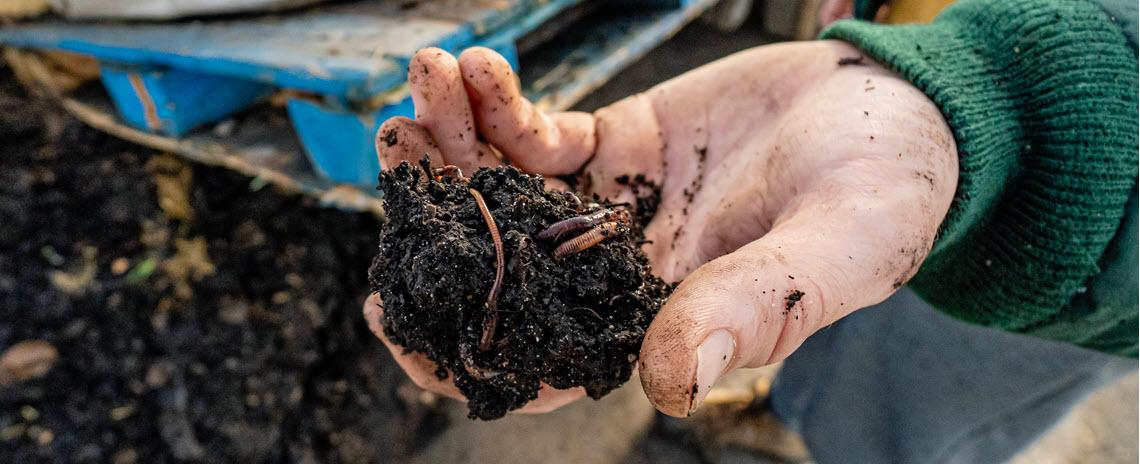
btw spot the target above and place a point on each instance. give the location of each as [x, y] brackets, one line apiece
[420, 369]
[556, 144]
[630, 141]
[442, 107]
[401, 139]
[550, 398]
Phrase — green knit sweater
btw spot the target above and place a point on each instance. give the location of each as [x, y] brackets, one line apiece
[1042, 99]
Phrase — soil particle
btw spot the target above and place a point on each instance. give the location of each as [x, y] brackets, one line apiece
[574, 322]
[698, 180]
[793, 297]
[648, 196]
[390, 138]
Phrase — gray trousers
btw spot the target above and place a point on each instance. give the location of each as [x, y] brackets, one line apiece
[902, 383]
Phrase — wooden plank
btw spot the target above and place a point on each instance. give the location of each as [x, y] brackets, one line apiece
[351, 50]
[173, 101]
[573, 65]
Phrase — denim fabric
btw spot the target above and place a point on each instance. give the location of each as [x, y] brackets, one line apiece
[903, 383]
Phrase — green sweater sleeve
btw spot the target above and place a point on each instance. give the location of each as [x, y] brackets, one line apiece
[1042, 100]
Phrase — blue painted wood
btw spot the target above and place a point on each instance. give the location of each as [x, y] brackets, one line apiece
[352, 50]
[338, 143]
[197, 72]
[576, 63]
[172, 101]
[350, 158]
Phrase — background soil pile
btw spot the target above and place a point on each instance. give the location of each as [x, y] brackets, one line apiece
[193, 318]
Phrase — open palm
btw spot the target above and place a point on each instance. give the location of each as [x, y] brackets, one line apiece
[794, 190]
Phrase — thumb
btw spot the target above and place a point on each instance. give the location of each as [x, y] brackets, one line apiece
[756, 305]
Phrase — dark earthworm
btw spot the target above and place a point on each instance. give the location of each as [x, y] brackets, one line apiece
[588, 239]
[492, 316]
[574, 224]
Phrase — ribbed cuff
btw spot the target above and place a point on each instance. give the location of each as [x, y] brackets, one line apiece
[1042, 99]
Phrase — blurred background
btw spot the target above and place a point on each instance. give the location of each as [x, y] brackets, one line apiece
[183, 257]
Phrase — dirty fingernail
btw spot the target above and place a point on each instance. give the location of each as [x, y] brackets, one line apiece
[713, 356]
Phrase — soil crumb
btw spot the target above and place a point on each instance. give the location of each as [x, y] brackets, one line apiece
[578, 322]
[792, 298]
[648, 196]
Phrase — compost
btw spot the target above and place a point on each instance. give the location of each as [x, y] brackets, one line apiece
[472, 274]
[158, 311]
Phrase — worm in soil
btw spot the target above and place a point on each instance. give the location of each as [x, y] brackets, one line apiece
[574, 224]
[589, 239]
[492, 316]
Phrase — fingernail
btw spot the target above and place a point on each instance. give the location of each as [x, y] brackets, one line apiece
[713, 357]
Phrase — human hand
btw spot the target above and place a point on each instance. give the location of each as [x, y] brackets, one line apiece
[793, 192]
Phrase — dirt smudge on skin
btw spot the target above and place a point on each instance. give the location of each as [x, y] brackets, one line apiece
[690, 192]
[647, 194]
[793, 297]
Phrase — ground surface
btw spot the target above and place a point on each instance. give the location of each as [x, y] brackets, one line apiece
[208, 317]
[193, 316]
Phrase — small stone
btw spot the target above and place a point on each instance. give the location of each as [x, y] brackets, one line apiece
[122, 412]
[12, 432]
[27, 360]
[125, 456]
[233, 311]
[294, 280]
[40, 435]
[45, 437]
[120, 266]
[156, 375]
[29, 413]
[281, 297]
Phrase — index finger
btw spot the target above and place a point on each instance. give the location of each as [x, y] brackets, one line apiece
[552, 145]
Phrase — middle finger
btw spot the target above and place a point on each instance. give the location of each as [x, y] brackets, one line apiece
[443, 108]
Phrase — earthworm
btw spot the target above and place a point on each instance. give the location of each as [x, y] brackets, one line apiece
[588, 239]
[565, 226]
[492, 316]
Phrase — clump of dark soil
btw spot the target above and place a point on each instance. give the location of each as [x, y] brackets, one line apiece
[573, 322]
